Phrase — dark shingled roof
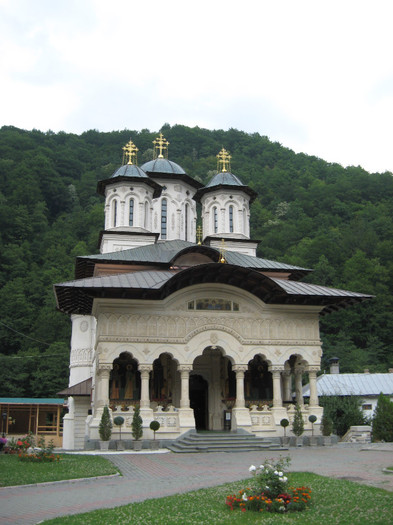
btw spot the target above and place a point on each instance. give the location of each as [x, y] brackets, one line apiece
[129, 173]
[227, 181]
[163, 253]
[77, 296]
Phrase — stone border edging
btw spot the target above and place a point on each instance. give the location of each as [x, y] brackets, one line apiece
[73, 480]
[387, 471]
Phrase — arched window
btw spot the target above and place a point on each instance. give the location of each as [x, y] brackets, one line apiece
[131, 216]
[115, 213]
[215, 220]
[186, 214]
[231, 219]
[164, 216]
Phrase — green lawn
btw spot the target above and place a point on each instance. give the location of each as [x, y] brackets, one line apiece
[335, 502]
[15, 472]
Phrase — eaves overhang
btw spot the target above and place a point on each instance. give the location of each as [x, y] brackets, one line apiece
[78, 296]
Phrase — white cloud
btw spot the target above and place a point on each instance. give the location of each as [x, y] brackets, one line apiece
[316, 76]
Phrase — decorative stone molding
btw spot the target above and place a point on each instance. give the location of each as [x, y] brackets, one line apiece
[183, 327]
[276, 368]
[184, 368]
[145, 368]
[81, 357]
[240, 368]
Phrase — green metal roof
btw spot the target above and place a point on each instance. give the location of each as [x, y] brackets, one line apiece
[31, 401]
[164, 252]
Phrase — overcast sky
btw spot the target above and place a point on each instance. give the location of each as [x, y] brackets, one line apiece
[314, 75]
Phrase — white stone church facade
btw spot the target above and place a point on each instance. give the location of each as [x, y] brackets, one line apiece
[187, 322]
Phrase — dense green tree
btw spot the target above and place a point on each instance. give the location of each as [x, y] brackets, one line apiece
[308, 212]
[383, 419]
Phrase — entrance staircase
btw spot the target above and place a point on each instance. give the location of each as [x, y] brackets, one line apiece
[222, 442]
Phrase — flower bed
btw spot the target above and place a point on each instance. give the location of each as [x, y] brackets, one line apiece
[270, 491]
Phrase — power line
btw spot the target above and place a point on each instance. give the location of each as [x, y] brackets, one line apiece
[24, 335]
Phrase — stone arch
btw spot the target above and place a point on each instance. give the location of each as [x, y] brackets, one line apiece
[258, 381]
[163, 385]
[124, 380]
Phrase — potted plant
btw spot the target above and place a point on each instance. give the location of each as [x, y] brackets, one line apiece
[298, 425]
[285, 439]
[136, 428]
[313, 439]
[119, 421]
[105, 429]
[327, 429]
[154, 426]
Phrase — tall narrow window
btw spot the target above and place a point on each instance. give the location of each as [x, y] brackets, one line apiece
[131, 217]
[164, 216]
[215, 220]
[146, 215]
[115, 213]
[186, 213]
[231, 219]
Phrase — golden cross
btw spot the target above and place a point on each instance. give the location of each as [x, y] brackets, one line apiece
[222, 252]
[199, 235]
[130, 151]
[160, 143]
[223, 160]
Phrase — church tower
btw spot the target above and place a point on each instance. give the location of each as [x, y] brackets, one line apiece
[174, 213]
[129, 196]
[225, 204]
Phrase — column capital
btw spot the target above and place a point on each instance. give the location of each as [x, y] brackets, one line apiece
[313, 368]
[104, 369]
[145, 368]
[276, 368]
[240, 368]
[184, 368]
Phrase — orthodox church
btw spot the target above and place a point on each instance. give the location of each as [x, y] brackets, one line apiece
[183, 320]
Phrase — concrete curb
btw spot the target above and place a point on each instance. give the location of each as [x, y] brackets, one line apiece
[74, 480]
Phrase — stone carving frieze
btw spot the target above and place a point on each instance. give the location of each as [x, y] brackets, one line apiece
[181, 328]
[81, 356]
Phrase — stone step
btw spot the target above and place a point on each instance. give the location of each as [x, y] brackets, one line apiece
[222, 442]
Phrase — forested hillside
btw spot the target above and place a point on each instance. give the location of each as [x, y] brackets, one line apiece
[309, 213]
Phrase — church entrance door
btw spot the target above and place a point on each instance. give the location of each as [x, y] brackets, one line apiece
[199, 401]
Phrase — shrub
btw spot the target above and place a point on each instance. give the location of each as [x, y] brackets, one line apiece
[312, 420]
[105, 428]
[119, 421]
[344, 411]
[383, 420]
[136, 424]
[154, 426]
[284, 423]
[326, 425]
[298, 423]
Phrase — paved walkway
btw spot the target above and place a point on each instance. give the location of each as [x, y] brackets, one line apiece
[161, 474]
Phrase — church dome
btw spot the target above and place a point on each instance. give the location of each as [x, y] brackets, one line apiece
[225, 178]
[162, 165]
[129, 173]
[130, 170]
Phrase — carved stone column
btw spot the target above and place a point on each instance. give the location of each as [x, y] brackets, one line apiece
[145, 372]
[277, 394]
[287, 385]
[185, 376]
[298, 385]
[312, 377]
[240, 371]
[103, 385]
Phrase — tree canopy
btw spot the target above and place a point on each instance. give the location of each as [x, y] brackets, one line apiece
[309, 212]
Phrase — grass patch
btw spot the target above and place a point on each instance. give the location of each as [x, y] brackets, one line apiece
[15, 472]
[334, 502]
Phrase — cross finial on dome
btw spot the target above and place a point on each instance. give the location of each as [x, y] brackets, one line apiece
[222, 252]
[130, 151]
[223, 161]
[161, 144]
